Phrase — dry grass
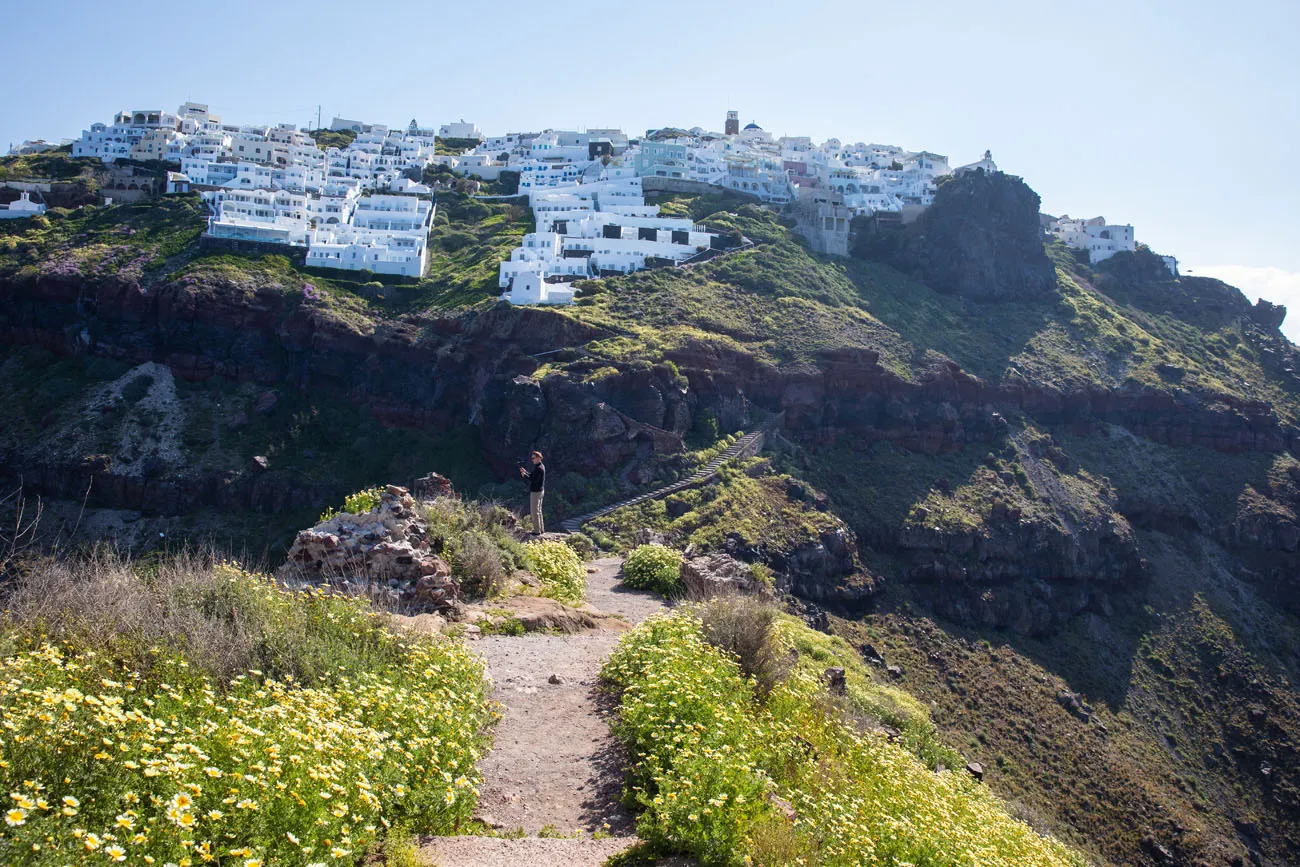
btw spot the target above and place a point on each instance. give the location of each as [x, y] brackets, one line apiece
[743, 627]
[476, 560]
[187, 602]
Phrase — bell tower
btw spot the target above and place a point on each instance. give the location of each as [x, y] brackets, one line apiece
[733, 123]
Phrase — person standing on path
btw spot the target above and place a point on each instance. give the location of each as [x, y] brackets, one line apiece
[536, 490]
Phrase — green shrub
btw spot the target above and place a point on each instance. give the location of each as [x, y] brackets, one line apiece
[507, 625]
[653, 567]
[362, 502]
[559, 570]
[582, 545]
[743, 627]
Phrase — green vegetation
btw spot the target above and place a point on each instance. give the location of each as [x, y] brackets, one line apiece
[501, 622]
[195, 711]
[52, 165]
[469, 241]
[333, 138]
[557, 567]
[748, 503]
[655, 568]
[730, 777]
[93, 243]
[359, 503]
[581, 545]
[1170, 749]
[453, 146]
[478, 541]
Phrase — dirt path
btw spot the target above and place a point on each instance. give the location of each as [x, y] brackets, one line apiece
[554, 763]
[528, 851]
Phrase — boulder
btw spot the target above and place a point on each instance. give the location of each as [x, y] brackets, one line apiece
[266, 402]
[387, 546]
[646, 536]
[716, 574]
[1072, 703]
[433, 485]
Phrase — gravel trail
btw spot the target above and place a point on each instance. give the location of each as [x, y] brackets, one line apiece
[554, 763]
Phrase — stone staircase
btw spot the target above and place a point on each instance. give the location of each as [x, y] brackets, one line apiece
[747, 446]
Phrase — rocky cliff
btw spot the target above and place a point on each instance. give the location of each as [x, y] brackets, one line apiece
[981, 238]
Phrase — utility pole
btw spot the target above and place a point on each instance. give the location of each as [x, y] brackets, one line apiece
[318, 116]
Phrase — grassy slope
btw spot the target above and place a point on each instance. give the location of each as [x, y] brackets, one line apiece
[55, 165]
[710, 749]
[749, 504]
[782, 304]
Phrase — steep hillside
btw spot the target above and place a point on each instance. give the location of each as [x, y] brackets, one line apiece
[1074, 499]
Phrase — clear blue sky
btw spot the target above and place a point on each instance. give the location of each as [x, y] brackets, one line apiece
[1179, 116]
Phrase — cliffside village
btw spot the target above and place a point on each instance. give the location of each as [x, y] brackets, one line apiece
[365, 206]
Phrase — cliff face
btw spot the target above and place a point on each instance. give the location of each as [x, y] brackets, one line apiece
[435, 373]
[981, 239]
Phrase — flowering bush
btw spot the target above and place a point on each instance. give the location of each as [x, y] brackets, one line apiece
[559, 569]
[732, 779]
[359, 503]
[653, 567]
[362, 502]
[111, 761]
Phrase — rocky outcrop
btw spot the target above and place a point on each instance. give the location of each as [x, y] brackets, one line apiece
[981, 238]
[387, 546]
[826, 571]
[719, 575]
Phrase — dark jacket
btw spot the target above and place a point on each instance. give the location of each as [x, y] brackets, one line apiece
[537, 478]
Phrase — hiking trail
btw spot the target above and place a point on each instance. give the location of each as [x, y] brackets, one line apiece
[554, 766]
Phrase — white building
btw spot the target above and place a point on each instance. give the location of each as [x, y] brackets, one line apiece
[985, 165]
[1100, 240]
[590, 230]
[22, 207]
[267, 216]
[36, 146]
[460, 129]
[385, 234]
[110, 142]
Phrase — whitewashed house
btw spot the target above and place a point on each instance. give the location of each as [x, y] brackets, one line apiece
[386, 234]
[460, 129]
[592, 230]
[35, 146]
[23, 206]
[110, 142]
[266, 216]
[1094, 235]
